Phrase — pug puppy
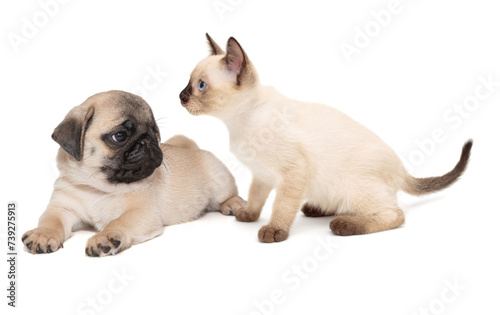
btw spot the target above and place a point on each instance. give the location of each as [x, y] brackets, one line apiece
[117, 177]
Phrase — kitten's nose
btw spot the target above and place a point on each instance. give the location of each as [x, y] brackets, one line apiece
[185, 94]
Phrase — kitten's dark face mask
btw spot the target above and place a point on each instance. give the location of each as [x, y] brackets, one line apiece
[186, 94]
[195, 101]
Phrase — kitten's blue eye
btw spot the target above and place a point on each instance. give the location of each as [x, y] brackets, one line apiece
[202, 85]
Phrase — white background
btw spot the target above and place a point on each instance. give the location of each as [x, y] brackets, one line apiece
[412, 71]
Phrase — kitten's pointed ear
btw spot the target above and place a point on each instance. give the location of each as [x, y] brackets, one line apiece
[71, 131]
[236, 60]
[214, 48]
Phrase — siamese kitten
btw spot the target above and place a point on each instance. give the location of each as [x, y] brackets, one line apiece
[316, 157]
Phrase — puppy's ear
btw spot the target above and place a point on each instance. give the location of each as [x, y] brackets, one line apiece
[214, 48]
[71, 131]
[236, 61]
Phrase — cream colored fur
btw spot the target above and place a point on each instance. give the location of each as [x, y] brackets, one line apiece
[308, 152]
[188, 182]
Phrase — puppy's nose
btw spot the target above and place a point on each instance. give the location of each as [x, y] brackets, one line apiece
[137, 151]
[146, 142]
[138, 146]
[185, 94]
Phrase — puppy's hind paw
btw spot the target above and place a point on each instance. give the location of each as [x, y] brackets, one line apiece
[232, 205]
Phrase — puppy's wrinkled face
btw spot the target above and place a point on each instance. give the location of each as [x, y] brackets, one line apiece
[112, 137]
[132, 150]
[218, 80]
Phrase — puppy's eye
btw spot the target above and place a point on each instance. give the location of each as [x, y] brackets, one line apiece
[202, 85]
[119, 137]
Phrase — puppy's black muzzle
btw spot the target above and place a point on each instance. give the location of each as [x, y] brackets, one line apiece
[137, 163]
[137, 153]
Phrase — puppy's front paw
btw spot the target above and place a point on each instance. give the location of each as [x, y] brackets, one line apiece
[269, 234]
[233, 205]
[42, 241]
[104, 244]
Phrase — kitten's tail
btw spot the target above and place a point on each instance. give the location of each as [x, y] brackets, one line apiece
[420, 186]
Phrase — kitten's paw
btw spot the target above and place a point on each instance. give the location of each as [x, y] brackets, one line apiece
[233, 205]
[42, 241]
[269, 234]
[346, 225]
[105, 244]
[245, 215]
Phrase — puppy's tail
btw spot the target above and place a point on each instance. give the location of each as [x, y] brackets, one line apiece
[420, 186]
[182, 141]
